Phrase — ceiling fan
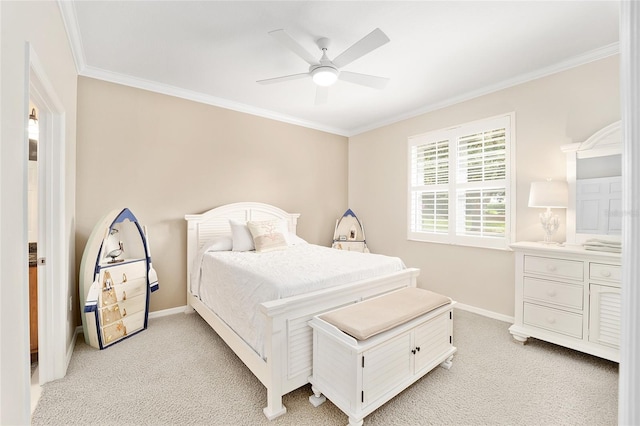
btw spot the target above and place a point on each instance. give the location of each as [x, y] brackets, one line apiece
[325, 71]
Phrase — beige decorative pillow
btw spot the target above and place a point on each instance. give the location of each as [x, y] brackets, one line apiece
[268, 235]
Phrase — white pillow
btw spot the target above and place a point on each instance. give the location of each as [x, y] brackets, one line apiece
[242, 239]
[269, 235]
[221, 243]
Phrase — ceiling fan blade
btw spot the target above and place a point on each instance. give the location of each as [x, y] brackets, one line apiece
[371, 41]
[322, 94]
[283, 78]
[294, 46]
[364, 79]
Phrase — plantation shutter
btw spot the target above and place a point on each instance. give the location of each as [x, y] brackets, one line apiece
[429, 187]
[459, 184]
[481, 183]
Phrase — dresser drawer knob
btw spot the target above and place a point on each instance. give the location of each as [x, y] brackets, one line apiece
[551, 268]
[605, 273]
[551, 293]
[551, 320]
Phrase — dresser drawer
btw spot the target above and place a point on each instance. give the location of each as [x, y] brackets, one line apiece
[121, 328]
[123, 272]
[567, 295]
[130, 289]
[553, 320]
[119, 310]
[558, 268]
[604, 272]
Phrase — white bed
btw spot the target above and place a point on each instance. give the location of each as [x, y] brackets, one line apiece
[280, 356]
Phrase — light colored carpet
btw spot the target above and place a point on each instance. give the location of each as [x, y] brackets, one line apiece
[180, 372]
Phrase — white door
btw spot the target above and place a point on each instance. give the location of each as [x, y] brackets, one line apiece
[386, 366]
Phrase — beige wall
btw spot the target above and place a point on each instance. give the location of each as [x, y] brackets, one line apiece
[164, 157]
[562, 108]
[40, 25]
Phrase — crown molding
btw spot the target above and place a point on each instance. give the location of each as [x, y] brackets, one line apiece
[576, 61]
[191, 95]
[70, 20]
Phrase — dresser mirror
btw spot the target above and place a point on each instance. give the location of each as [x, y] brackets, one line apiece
[594, 177]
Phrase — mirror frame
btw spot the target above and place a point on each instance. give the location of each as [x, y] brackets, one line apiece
[606, 141]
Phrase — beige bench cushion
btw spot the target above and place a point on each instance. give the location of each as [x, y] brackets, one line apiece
[370, 317]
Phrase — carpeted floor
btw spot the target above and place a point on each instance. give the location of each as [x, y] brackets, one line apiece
[179, 372]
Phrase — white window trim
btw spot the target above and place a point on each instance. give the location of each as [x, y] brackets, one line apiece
[510, 189]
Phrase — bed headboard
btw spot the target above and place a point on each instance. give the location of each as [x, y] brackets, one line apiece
[205, 226]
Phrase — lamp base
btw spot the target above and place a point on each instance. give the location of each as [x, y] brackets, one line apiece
[550, 223]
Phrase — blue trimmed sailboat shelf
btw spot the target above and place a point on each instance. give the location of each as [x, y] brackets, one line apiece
[116, 280]
[349, 233]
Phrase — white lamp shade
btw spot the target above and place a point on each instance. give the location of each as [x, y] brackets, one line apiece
[550, 193]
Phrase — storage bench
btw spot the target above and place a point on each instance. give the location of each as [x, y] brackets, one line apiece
[365, 354]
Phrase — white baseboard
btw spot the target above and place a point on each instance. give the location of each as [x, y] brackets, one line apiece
[155, 314]
[72, 345]
[484, 312]
[165, 312]
[181, 310]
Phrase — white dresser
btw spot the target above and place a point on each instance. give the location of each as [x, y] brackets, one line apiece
[568, 296]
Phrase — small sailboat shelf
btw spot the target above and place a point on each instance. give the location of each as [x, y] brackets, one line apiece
[116, 280]
[349, 233]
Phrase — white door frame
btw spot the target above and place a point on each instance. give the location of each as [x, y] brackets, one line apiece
[53, 280]
[629, 386]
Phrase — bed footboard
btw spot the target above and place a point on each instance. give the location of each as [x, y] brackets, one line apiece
[288, 337]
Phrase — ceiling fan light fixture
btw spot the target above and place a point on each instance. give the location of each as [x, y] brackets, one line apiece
[324, 75]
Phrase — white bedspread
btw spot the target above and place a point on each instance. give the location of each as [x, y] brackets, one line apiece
[233, 284]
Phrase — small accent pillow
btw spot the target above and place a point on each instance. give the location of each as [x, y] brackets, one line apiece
[242, 239]
[269, 235]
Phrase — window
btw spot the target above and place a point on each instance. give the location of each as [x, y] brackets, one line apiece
[460, 184]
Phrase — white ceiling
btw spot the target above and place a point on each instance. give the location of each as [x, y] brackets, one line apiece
[440, 52]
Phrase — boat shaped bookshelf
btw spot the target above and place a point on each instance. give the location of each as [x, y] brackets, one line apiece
[116, 280]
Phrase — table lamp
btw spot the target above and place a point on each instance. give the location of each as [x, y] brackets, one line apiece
[549, 194]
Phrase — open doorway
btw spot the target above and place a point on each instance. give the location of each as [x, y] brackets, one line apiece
[32, 237]
[52, 249]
